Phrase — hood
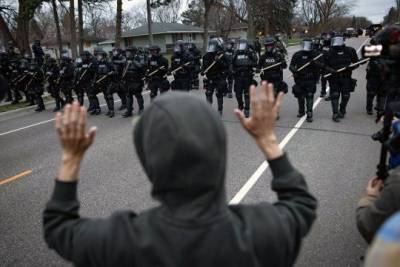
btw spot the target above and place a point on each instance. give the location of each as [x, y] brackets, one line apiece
[181, 143]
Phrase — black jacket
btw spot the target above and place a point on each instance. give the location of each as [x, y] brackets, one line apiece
[193, 226]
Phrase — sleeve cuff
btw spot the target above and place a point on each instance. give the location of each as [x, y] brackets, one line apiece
[280, 166]
[366, 201]
[65, 191]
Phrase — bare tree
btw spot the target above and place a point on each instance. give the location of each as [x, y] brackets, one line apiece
[72, 28]
[118, 27]
[134, 18]
[168, 13]
[80, 25]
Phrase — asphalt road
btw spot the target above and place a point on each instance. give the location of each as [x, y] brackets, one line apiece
[336, 159]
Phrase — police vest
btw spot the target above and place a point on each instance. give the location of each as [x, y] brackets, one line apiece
[102, 69]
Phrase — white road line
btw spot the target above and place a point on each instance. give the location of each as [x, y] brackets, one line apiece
[263, 167]
[47, 121]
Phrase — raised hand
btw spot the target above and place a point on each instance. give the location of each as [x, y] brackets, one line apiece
[261, 124]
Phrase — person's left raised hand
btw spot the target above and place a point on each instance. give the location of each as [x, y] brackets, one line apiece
[71, 129]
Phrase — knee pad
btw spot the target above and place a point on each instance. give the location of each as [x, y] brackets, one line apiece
[209, 93]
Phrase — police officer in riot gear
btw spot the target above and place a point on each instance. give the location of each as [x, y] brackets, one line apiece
[133, 74]
[66, 79]
[340, 56]
[118, 60]
[52, 74]
[38, 52]
[324, 48]
[229, 53]
[243, 63]
[34, 87]
[215, 67]
[305, 78]
[182, 66]
[6, 73]
[102, 83]
[272, 57]
[21, 79]
[84, 77]
[375, 86]
[157, 68]
[196, 55]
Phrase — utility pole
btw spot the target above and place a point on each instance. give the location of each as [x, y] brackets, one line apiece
[149, 22]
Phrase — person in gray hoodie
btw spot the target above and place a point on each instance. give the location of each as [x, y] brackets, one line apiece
[193, 225]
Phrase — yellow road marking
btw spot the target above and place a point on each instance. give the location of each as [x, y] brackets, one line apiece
[15, 177]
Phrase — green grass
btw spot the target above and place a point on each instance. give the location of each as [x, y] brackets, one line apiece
[9, 107]
[293, 41]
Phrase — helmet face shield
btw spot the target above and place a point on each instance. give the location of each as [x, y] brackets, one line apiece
[212, 47]
[78, 60]
[242, 46]
[337, 41]
[307, 45]
[177, 49]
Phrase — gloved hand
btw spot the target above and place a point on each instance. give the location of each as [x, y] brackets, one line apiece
[293, 69]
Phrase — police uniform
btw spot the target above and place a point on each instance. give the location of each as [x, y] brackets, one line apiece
[243, 63]
[133, 76]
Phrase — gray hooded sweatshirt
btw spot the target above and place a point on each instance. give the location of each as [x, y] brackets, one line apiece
[181, 143]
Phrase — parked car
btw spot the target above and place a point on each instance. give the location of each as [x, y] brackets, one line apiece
[350, 32]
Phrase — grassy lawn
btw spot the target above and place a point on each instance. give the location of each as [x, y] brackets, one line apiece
[9, 107]
[293, 41]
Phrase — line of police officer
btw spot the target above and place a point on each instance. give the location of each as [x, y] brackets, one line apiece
[223, 67]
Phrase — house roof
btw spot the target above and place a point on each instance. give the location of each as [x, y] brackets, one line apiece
[239, 26]
[163, 28]
[109, 41]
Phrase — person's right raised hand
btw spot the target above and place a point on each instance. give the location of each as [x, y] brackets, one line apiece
[261, 124]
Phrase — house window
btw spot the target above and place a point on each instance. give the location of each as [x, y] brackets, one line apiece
[176, 37]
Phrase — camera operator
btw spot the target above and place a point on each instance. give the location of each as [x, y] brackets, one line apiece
[382, 197]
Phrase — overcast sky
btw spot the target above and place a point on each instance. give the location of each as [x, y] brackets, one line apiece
[372, 9]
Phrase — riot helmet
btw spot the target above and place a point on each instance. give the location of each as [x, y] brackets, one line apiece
[215, 45]
[307, 45]
[131, 51]
[65, 55]
[117, 52]
[179, 47]
[86, 56]
[337, 41]
[230, 45]
[243, 45]
[269, 44]
[100, 54]
[154, 50]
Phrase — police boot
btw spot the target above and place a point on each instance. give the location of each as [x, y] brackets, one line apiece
[110, 105]
[220, 104]
[122, 96]
[370, 101]
[80, 99]
[96, 107]
[343, 105]
[335, 117]
[58, 105]
[140, 101]
[380, 104]
[247, 113]
[40, 106]
[301, 102]
[309, 116]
